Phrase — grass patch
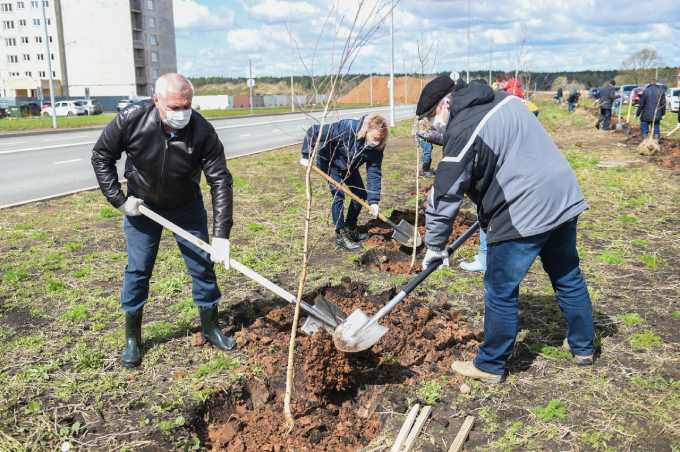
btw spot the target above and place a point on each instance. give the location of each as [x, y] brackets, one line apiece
[611, 257]
[430, 392]
[109, 212]
[631, 319]
[217, 365]
[645, 339]
[554, 410]
[650, 261]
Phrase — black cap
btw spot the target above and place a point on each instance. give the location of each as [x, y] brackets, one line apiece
[433, 92]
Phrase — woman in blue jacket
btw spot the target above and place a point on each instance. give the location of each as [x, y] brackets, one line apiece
[345, 146]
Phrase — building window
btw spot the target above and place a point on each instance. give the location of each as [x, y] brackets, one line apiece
[54, 74]
[152, 22]
[34, 4]
[52, 56]
[153, 40]
[36, 22]
[149, 4]
[38, 39]
[10, 42]
[49, 21]
[46, 4]
[28, 74]
[6, 7]
[12, 58]
[41, 74]
[20, 5]
[40, 57]
[24, 39]
[8, 25]
[26, 57]
[50, 39]
[22, 22]
[154, 57]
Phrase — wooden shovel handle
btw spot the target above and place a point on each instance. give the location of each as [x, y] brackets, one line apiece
[345, 189]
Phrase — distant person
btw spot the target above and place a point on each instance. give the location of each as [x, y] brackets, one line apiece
[344, 147]
[424, 126]
[572, 100]
[558, 95]
[514, 86]
[606, 96]
[167, 145]
[651, 109]
[501, 82]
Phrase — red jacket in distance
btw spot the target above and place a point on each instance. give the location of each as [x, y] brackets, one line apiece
[514, 87]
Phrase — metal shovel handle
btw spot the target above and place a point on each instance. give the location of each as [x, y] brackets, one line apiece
[420, 277]
[345, 189]
[239, 267]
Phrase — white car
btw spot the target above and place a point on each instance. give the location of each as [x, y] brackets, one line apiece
[673, 99]
[66, 108]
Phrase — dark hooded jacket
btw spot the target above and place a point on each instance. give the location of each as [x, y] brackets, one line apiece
[652, 104]
[342, 148]
[607, 95]
[497, 152]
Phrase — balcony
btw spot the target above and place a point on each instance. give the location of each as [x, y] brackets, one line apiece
[137, 21]
[140, 79]
[136, 6]
[138, 44]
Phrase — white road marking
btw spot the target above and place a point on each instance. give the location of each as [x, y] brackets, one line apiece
[63, 138]
[41, 148]
[12, 142]
[67, 161]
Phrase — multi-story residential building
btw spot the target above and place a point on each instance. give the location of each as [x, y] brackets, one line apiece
[97, 47]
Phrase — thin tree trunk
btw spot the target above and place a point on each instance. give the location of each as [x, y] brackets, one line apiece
[415, 225]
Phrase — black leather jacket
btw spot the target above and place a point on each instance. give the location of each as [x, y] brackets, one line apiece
[164, 170]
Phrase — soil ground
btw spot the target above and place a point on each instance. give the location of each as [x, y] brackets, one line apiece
[61, 327]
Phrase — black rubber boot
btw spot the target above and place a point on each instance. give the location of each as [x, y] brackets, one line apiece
[211, 331]
[427, 172]
[344, 240]
[132, 355]
[355, 234]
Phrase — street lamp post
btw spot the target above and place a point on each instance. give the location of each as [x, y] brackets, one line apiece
[49, 67]
[392, 66]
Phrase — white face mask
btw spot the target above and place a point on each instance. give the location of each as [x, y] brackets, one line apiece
[177, 119]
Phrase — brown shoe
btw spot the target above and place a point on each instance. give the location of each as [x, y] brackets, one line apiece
[468, 369]
[580, 360]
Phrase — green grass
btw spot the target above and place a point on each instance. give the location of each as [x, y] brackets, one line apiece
[631, 319]
[430, 392]
[554, 410]
[645, 339]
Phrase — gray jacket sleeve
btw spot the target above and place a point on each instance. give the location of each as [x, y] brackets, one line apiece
[443, 203]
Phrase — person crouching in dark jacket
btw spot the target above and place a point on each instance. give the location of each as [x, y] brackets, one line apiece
[651, 109]
[167, 145]
[345, 146]
[572, 100]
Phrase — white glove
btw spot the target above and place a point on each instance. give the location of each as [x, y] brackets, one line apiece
[432, 255]
[220, 251]
[374, 209]
[304, 162]
[130, 207]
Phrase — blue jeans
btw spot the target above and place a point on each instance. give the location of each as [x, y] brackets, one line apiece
[426, 149]
[507, 264]
[143, 237]
[571, 106]
[644, 129]
[356, 186]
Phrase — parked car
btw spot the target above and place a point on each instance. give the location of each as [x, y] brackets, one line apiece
[92, 105]
[624, 92]
[66, 108]
[33, 109]
[673, 99]
[124, 103]
[637, 92]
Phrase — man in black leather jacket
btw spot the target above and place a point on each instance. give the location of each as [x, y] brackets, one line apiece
[606, 97]
[167, 146]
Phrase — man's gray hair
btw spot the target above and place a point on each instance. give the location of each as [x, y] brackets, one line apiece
[173, 83]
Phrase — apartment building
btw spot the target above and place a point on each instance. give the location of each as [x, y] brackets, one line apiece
[98, 48]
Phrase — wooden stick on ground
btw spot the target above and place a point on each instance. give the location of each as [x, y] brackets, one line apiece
[405, 428]
[417, 427]
[462, 435]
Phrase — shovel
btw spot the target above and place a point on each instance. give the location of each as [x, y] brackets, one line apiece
[402, 232]
[359, 332]
[324, 314]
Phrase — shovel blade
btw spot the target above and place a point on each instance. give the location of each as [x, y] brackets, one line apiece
[353, 335]
[403, 233]
[330, 310]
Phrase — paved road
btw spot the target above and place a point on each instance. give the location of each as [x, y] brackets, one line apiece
[40, 166]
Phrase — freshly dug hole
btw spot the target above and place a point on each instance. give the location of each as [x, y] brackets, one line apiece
[337, 396]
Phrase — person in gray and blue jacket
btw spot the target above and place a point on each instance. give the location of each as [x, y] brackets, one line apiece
[528, 200]
[344, 147]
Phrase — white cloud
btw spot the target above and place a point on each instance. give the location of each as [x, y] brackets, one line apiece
[190, 14]
[279, 11]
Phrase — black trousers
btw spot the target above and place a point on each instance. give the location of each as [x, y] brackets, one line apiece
[605, 118]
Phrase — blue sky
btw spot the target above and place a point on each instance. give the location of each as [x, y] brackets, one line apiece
[217, 37]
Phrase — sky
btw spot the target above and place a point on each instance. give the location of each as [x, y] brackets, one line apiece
[218, 37]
